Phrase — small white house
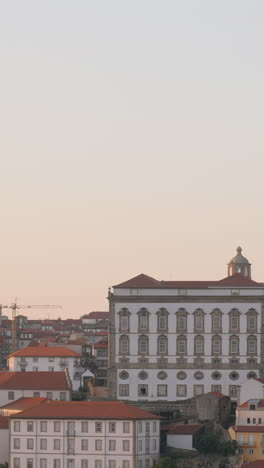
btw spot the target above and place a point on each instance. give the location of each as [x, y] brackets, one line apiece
[183, 436]
[252, 388]
[52, 385]
[45, 358]
[109, 434]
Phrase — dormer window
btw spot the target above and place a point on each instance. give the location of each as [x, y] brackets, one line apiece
[252, 407]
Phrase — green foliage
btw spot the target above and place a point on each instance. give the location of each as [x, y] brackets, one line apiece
[211, 444]
[166, 462]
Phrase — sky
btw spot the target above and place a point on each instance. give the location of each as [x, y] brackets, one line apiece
[131, 141]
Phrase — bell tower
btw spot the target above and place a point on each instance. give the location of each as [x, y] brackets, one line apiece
[239, 264]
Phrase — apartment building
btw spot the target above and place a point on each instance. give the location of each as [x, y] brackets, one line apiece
[178, 339]
[52, 385]
[45, 358]
[74, 434]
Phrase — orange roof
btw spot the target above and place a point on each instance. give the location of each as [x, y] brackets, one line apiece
[260, 380]
[24, 403]
[184, 429]
[255, 428]
[85, 409]
[43, 351]
[254, 464]
[256, 401]
[4, 422]
[33, 381]
[145, 281]
[97, 315]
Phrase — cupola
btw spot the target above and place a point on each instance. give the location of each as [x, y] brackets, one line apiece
[239, 264]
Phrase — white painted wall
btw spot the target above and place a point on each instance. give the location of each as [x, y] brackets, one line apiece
[4, 445]
[180, 441]
[56, 395]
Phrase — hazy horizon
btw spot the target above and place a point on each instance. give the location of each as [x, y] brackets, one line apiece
[131, 142]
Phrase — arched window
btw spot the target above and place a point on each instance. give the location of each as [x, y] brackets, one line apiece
[198, 321]
[162, 345]
[124, 320]
[216, 320]
[143, 345]
[162, 316]
[216, 344]
[198, 344]
[143, 320]
[124, 344]
[252, 321]
[181, 315]
[181, 344]
[234, 320]
[234, 344]
[252, 345]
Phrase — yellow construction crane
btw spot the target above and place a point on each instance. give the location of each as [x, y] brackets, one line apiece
[14, 308]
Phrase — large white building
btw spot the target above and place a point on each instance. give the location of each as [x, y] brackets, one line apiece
[45, 358]
[175, 339]
[78, 434]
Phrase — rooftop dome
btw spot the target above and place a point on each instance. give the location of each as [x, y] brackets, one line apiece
[239, 258]
[239, 264]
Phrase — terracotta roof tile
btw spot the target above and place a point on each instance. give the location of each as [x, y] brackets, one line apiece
[33, 381]
[254, 464]
[96, 315]
[185, 429]
[24, 403]
[43, 351]
[144, 281]
[255, 428]
[85, 410]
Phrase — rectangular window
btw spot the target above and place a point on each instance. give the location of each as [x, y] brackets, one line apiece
[154, 444]
[35, 369]
[112, 427]
[232, 390]
[142, 390]
[29, 462]
[98, 444]
[16, 426]
[51, 369]
[112, 445]
[140, 445]
[139, 427]
[124, 323]
[84, 444]
[181, 346]
[147, 464]
[84, 464]
[154, 426]
[84, 426]
[252, 323]
[251, 451]
[30, 444]
[198, 320]
[162, 390]
[43, 426]
[98, 427]
[126, 427]
[125, 464]
[30, 426]
[43, 463]
[126, 447]
[112, 464]
[49, 395]
[139, 464]
[43, 444]
[71, 445]
[16, 443]
[181, 323]
[98, 463]
[70, 463]
[234, 323]
[11, 395]
[57, 426]
[16, 463]
[35, 359]
[251, 439]
[36, 394]
[56, 444]
[147, 427]
[259, 421]
[143, 322]
[56, 463]
[62, 396]
[216, 323]
[147, 445]
[181, 390]
[198, 390]
[162, 322]
[216, 388]
[123, 390]
[51, 359]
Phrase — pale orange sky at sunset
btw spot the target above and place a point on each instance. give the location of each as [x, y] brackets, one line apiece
[131, 142]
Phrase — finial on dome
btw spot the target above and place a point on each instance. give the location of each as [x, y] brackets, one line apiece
[239, 250]
[239, 264]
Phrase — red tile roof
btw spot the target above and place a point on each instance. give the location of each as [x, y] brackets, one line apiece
[85, 409]
[218, 395]
[255, 428]
[144, 281]
[97, 315]
[253, 401]
[254, 464]
[4, 422]
[44, 351]
[33, 381]
[24, 403]
[184, 429]
[260, 380]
